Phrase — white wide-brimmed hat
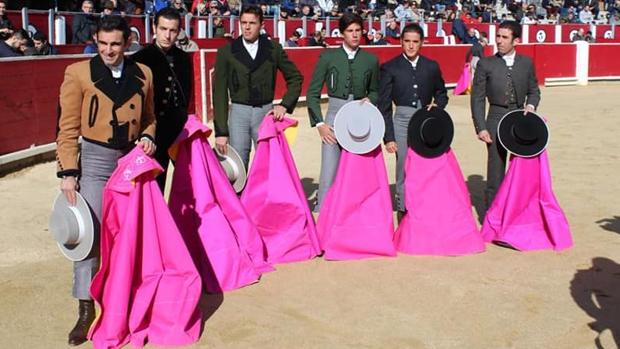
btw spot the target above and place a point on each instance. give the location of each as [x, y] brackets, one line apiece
[359, 127]
[72, 227]
[233, 167]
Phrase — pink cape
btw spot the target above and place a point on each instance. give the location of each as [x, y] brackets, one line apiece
[356, 219]
[147, 286]
[275, 200]
[439, 220]
[525, 214]
[464, 80]
[223, 241]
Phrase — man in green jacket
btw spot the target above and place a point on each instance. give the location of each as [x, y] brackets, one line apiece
[350, 74]
[245, 71]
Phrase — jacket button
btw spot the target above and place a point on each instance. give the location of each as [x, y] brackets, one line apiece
[167, 89]
[110, 140]
[170, 78]
[132, 106]
[161, 113]
[164, 101]
[133, 122]
[171, 65]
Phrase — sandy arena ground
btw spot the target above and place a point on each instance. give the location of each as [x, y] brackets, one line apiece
[498, 299]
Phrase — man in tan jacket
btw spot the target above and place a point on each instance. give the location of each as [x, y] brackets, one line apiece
[107, 100]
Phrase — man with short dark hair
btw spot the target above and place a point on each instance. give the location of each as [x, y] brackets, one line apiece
[508, 81]
[172, 75]
[410, 81]
[11, 46]
[108, 101]
[350, 74]
[246, 71]
[42, 46]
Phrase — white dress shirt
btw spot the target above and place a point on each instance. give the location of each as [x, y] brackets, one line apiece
[414, 63]
[510, 59]
[251, 47]
[351, 54]
[117, 70]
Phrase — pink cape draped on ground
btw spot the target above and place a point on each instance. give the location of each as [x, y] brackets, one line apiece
[147, 286]
[439, 219]
[525, 213]
[275, 200]
[223, 241]
[356, 219]
[464, 80]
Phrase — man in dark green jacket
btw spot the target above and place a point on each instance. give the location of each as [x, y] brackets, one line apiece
[245, 71]
[350, 74]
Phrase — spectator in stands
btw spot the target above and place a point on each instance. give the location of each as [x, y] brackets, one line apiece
[134, 45]
[222, 7]
[589, 37]
[179, 5]
[388, 15]
[6, 27]
[405, 12]
[470, 37]
[109, 9]
[579, 35]
[83, 24]
[11, 46]
[218, 28]
[570, 18]
[307, 11]
[586, 16]
[27, 48]
[317, 39]
[234, 6]
[42, 45]
[378, 39]
[392, 29]
[335, 12]
[186, 44]
[284, 14]
[293, 41]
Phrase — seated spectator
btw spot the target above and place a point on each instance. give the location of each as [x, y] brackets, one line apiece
[222, 7]
[459, 29]
[589, 37]
[570, 18]
[179, 5]
[84, 24]
[234, 6]
[134, 45]
[586, 16]
[579, 35]
[109, 8]
[392, 29]
[42, 45]
[470, 37]
[90, 48]
[6, 27]
[218, 28]
[307, 11]
[11, 46]
[284, 14]
[335, 12]
[405, 12]
[317, 39]
[27, 48]
[293, 41]
[185, 44]
[378, 39]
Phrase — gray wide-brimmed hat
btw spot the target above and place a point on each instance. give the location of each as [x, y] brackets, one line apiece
[523, 135]
[233, 167]
[359, 127]
[72, 227]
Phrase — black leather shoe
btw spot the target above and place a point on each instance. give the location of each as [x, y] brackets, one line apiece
[86, 316]
[400, 215]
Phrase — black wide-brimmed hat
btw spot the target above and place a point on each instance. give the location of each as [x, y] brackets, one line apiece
[430, 132]
[523, 135]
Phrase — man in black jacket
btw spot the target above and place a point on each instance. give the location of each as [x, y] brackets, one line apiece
[84, 24]
[412, 82]
[172, 76]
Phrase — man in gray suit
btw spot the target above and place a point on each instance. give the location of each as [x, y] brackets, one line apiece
[509, 82]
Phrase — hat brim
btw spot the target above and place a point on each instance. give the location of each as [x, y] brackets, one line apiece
[414, 138]
[233, 155]
[508, 141]
[377, 127]
[81, 250]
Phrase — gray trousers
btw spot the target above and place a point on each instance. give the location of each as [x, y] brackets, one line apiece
[97, 164]
[497, 154]
[330, 153]
[243, 124]
[402, 116]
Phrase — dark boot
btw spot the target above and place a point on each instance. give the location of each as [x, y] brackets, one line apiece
[86, 317]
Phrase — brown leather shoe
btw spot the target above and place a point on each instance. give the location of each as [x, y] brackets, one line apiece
[86, 316]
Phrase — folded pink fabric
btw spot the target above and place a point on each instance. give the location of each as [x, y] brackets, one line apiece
[221, 237]
[464, 81]
[148, 287]
[525, 213]
[275, 200]
[356, 219]
[439, 220]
